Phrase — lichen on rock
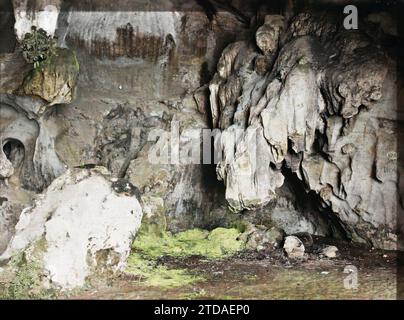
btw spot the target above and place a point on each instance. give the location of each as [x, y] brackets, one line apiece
[24, 276]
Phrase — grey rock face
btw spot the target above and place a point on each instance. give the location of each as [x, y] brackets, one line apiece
[138, 68]
[6, 167]
[309, 102]
[41, 14]
[9, 214]
[326, 111]
[123, 135]
[174, 192]
[54, 80]
[29, 140]
[153, 53]
[268, 35]
[29, 161]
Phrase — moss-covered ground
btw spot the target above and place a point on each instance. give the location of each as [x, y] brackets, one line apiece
[150, 247]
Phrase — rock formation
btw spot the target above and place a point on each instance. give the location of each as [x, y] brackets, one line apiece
[79, 226]
[304, 112]
[135, 77]
[324, 110]
[55, 80]
[294, 247]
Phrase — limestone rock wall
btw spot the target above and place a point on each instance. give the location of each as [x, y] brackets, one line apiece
[325, 110]
[306, 111]
[151, 52]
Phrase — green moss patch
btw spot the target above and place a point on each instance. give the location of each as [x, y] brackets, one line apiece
[24, 278]
[149, 247]
[219, 243]
[25, 282]
[150, 273]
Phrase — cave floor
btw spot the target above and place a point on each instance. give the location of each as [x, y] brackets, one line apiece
[267, 276]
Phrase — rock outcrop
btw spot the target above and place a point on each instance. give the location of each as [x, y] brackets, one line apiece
[330, 252]
[54, 80]
[144, 58]
[306, 112]
[79, 226]
[262, 238]
[325, 111]
[29, 128]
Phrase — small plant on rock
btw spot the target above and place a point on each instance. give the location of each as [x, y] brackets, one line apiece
[37, 46]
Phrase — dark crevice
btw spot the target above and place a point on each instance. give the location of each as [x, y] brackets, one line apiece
[8, 40]
[2, 200]
[310, 202]
[14, 151]
[229, 7]
[320, 144]
[208, 8]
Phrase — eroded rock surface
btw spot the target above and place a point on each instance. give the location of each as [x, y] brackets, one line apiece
[29, 141]
[326, 111]
[138, 70]
[79, 226]
[306, 112]
[154, 51]
[260, 237]
[330, 251]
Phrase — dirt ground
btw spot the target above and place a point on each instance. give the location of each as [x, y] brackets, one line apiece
[269, 275]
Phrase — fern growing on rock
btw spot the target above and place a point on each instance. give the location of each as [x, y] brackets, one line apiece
[37, 46]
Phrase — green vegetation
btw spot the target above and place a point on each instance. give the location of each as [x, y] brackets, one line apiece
[151, 274]
[55, 72]
[26, 279]
[25, 282]
[219, 243]
[37, 46]
[23, 277]
[149, 247]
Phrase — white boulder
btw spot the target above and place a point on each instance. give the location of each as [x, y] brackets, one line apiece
[294, 247]
[80, 226]
[330, 251]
